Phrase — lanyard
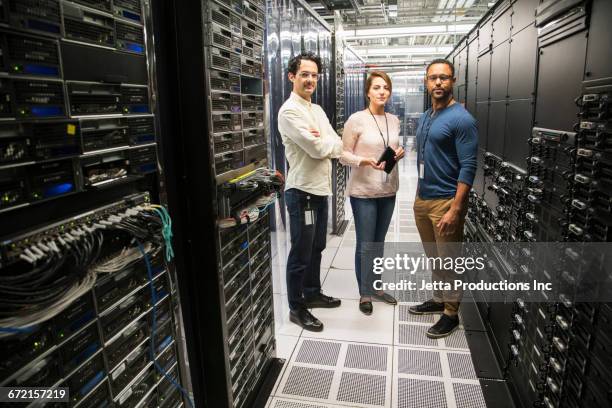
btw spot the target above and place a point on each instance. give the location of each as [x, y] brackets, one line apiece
[380, 131]
[426, 134]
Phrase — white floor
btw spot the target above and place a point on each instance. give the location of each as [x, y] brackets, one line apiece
[382, 360]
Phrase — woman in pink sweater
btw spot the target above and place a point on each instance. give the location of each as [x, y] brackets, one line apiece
[367, 134]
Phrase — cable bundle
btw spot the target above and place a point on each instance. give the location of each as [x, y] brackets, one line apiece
[52, 272]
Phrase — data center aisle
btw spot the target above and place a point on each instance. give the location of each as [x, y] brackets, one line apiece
[382, 360]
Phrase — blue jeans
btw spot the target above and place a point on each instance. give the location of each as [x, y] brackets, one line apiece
[372, 218]
[307, 243]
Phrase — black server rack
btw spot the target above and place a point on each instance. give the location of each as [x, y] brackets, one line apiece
[214, 101]
[538, 86]
[235, 32]
[84, 306]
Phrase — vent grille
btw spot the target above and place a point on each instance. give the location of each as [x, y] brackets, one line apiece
[32, 49]
[318, 352]
[220, 18]
[410, 334]
[366, 357]
[309, 382]
[469, 395]
[38, 93]
[39, 9]
[362, 388]
[235, 62]
[219, 39]
[220, 62]
[457, 340]
[421, 394]
[130, 33]
[219, 84]
[293, 404]
[461, 366]
[419, 362]
[80, 31]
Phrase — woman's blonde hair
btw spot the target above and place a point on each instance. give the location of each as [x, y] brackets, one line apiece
[377, 74]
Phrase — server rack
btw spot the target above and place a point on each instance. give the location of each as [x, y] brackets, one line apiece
[79, 144]
[541, 178]
[216, 109]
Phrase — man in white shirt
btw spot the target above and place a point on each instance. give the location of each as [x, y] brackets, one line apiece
[310, 144]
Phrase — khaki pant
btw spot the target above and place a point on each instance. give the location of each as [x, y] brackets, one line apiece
[427, 214]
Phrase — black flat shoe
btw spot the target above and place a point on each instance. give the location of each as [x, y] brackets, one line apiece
[366, 308]
[429, 307]
[306, 320]
[444, 327]
[322, 301]
[385, 297]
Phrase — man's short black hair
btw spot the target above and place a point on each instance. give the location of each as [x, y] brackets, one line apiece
[294, 63]
[442, 61]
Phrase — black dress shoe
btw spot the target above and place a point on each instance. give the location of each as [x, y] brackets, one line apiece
[305, 319]
[385, 297]
[366, 308]
[321, 300]
[445, 326]
[429, 307]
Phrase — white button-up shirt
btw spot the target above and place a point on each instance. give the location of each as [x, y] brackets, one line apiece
[308, 156]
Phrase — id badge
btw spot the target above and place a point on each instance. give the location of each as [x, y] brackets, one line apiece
[421, 170]
[308, 213]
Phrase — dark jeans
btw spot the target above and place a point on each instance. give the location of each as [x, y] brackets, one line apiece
[372, 217]
[307, 243]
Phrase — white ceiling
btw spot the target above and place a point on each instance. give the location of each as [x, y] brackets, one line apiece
[399, 32]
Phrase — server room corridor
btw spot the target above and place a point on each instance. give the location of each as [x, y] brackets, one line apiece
[381, 360]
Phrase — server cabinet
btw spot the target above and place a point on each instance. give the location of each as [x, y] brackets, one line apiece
[485, 35]
[484, 77]
[500, 61]
[523, 14]
[519, 119]
[502, 23]
[482, 118]
[523, 59]
[600, 34]
[558, 40]
[471, 79]
[497, 127]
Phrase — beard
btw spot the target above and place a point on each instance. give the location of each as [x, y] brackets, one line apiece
[445, 94]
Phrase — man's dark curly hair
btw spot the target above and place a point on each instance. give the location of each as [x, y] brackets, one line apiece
[294, 63]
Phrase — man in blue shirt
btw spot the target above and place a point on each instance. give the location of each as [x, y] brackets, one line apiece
[447, 145]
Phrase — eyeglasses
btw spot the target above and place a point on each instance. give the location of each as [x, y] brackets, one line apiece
[442, 78]
[306, 75]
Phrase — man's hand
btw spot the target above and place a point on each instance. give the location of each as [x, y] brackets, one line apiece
[448, 222]
[399, 153]
[315, 132]
[372, 163]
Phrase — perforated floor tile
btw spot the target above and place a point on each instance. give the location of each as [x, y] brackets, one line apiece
[420, 362]
[318, 352]
[415, 335]
[284, 403]
[461, 366]
[362, 388]
[366, 357]
[412, 393]
[457, 340]
[308, 382]
[469, 395]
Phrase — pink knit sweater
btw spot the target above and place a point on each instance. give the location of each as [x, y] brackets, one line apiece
[361, 139]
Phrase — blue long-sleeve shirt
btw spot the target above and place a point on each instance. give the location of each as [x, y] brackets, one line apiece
[447, 143]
